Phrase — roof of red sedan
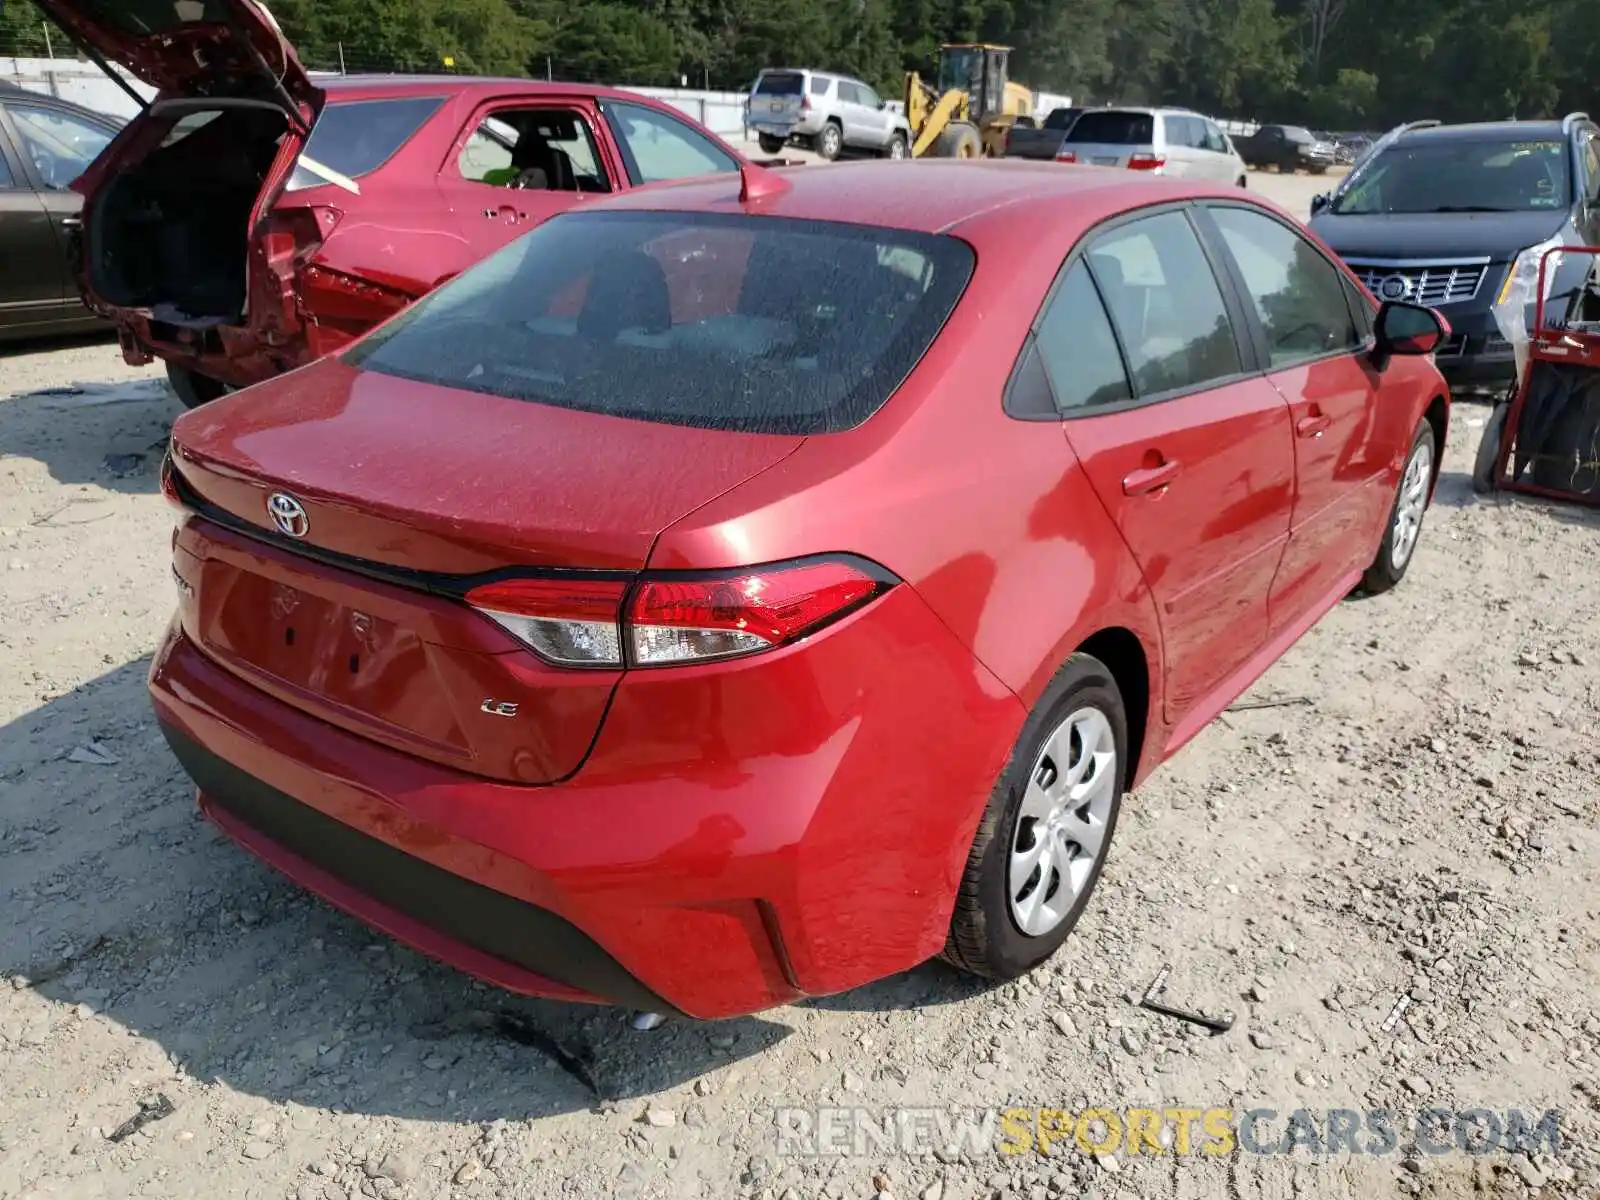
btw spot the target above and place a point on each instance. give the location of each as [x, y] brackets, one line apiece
[927, 195]
[353, 87]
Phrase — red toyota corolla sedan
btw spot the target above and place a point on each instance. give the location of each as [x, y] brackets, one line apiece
[741, 591]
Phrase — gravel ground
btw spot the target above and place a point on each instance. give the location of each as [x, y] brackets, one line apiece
[1420, 823]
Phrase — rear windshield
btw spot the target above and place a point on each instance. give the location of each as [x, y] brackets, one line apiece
[357, 137]
[1450, 175]
[787, 83]
[1060, 118]
[755, 324]
[1114, 129]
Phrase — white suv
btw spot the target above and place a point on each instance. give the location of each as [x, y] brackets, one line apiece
[829, 113]
[1165, 141]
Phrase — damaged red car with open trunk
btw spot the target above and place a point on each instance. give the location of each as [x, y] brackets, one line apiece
[253, 218]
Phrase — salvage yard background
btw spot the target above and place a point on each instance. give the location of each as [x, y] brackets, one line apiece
[1417, 818]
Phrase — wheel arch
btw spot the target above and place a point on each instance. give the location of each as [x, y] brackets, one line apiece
[1123, 654]
[1437, 415]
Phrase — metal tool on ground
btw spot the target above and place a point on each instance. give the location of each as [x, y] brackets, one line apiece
[1159, 984]
[155, 1109]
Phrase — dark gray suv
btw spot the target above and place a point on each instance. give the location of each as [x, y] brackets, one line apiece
[1448, 215]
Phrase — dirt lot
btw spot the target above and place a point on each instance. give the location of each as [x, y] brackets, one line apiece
[1422, 825]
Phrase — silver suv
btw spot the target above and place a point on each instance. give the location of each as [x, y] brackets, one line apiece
[829, 113]
[1164, 141]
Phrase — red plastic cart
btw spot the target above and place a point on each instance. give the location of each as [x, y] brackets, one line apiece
[1544, 439]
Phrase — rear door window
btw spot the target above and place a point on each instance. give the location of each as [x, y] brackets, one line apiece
[356, 137]
[759, 324]
[1166, 304]
[1114, 129]
[1080, 352]
[657, 147]
[537, 149]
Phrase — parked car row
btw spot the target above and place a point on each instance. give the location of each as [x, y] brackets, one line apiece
[650, 612]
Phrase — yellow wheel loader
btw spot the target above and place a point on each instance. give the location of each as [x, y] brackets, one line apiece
[968, 114]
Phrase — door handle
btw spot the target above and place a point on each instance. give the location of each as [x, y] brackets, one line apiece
[1308, 427]
[72, 222]
[1149, 479]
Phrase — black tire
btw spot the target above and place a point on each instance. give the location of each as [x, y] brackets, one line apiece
[770, 144]
[194, 389]
[829, 142]
[985, 939]
[1483, 479]
[959, 140]
[1318, 169]
[1385, 571]
[897, 147]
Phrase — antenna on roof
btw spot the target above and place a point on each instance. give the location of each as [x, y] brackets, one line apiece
[757, 184]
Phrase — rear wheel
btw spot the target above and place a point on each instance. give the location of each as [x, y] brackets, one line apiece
[769, 144]
[194, 389]
[959, 140]
[1405, 517]
[1043, 839]
[830, 142]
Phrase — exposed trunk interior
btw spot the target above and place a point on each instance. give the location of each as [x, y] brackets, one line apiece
[169, 233]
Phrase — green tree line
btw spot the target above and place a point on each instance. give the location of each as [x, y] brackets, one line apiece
[1333, 63]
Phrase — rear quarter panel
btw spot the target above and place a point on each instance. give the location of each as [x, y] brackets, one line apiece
[398, 232]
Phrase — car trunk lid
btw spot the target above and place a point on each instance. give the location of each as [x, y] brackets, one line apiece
[409, 494]
[211, 48]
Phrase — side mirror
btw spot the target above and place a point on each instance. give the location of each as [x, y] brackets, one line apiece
[1320, 202]
[1407, 329]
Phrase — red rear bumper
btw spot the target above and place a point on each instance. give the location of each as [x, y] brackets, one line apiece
[741, 835]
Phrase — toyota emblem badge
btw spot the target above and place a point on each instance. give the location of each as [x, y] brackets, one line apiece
[288, 514]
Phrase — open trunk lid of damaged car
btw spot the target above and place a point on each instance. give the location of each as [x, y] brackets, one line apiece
[193, 48]
[355, 531]
[177, 245]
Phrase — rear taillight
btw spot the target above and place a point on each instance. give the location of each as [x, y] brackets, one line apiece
[572, 623]
[1146, 162]
[805, 103]
[671, 619]
[1066, 156]
[169, 482]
